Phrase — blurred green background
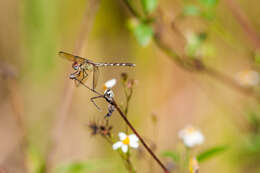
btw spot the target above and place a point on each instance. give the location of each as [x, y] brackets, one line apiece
[44, 116]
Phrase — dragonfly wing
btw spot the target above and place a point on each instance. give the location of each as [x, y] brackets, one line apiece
[95, 76]
[71, 57]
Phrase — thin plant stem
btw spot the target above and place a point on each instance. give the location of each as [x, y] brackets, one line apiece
[196, 65]
[66, 100]
[242, 19]
[140, 138]
[128, 98]
[131, 9]
[113, 102]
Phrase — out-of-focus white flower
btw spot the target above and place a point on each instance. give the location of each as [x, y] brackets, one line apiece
[191, 37]
[193, 165]
[194, 44]
[248, 78]
[191, 136]
[110, 83]
[125, 140]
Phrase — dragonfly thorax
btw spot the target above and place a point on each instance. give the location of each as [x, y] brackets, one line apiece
[87, 66]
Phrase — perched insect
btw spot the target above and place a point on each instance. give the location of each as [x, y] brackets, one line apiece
[83, 65]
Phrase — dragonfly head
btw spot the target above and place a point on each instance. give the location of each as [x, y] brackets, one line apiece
[75, 66]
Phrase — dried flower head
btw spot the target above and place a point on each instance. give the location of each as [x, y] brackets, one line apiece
[105, 130]
[101, 129]
[94, 127]
[124, 77]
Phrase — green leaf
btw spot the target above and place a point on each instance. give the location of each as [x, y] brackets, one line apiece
[35, 160]
[257, 58]
[143, 33]
[209, 3]
[81, 167]
[208, 15]
[74, 168]
[210, 153]
[191, 10]
[173, 155]
[149, 5]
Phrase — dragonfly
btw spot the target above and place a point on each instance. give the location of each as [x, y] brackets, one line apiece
[83, 66]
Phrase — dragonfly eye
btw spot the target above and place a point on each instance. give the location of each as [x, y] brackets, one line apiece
[75, 66]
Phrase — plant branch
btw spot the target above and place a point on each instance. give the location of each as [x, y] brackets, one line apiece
[131, 9]
[196, 65]
[244, 22]
[140, 138]
[91, 9]
[130, 126]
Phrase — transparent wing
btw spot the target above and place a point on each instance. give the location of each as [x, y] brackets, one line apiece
[71, 57]
[95, 76]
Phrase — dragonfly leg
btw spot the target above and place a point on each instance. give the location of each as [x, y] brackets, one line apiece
[93, 101]
[84, 76]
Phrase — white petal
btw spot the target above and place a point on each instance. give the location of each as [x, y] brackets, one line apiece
[133, 144]
[110, 83]
[124, 148]
[122, 135]
[133, 138]
[191, 140]
[117, 145]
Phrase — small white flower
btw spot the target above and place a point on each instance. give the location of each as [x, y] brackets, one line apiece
[191, 136]
[110, 83]
[125, 140]
[248, 78]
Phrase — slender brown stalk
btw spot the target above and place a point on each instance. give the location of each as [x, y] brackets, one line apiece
[131, 127]
[9, 76]
[140, 138]
[244, 22]
[196, 65]
[66, 100]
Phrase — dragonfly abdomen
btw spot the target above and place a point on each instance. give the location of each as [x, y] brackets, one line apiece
[116, 64]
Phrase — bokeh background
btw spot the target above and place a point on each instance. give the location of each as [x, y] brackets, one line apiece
[44, 116]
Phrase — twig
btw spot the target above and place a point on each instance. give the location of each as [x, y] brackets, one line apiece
[244, 22]
[131, 9]
[9, 74]
[140, 138]
[196, 65]
[131, 127]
